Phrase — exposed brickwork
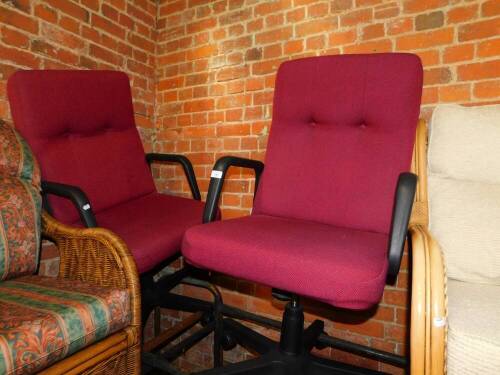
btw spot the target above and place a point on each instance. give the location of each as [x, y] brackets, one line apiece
[202, 74]
[88, 34]
[216, 66]
[217, 60]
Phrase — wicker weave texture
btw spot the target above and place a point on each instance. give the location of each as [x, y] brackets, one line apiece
[97, 256]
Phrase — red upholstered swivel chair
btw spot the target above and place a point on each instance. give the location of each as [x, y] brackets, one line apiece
[80, 125]
[332, 207]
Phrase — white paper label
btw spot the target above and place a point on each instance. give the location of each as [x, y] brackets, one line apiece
[216, 174]
[439, 322]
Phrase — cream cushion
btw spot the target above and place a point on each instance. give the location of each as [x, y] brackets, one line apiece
[473, 328]
[464, 190]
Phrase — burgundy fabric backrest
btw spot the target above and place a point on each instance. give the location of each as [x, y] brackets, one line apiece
[343, 129]
[80, 126]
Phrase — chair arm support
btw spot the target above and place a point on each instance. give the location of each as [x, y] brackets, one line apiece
[403, 203]
[96, 256]
[186, 166]
[428, 304]
[217, 181]
[76, 196]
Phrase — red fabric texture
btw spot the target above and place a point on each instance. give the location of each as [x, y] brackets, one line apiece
[152, 226]
[340, 266]
[343, 129]
[80, 125]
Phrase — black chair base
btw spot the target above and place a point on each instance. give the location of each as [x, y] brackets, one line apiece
[159, 352]
[280, 364]
[273, 360]
[291, 356]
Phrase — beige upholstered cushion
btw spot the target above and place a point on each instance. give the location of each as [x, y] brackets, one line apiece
[465, 143]
[473, 328]
[464, 190]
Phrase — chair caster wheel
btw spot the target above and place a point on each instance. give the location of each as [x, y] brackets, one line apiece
[227, 341]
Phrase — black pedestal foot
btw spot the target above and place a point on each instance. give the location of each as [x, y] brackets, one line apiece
[311, 335]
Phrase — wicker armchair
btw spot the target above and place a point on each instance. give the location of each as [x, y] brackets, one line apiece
[85, 321]
[98, 257]
[455, 312]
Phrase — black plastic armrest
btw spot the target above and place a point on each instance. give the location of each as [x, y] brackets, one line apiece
[186, 166]
[217, 181]
[403, 203]
[76, 196]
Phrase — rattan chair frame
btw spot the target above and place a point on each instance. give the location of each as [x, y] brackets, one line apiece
[97, 256]
[428, 288]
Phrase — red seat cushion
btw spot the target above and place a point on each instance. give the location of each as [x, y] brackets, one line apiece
[340, 266]
[152, 226]
[343, 130]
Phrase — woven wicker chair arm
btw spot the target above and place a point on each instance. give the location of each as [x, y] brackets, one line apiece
[96, 256]
[428, 304]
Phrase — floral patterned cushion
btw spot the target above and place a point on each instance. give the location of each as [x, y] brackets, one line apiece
[43, 320]
[16, 158]
[20, 205]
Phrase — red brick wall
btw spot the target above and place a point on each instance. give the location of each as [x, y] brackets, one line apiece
[88, 34]
[217, 59]
[216, 65]
[202, 74]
